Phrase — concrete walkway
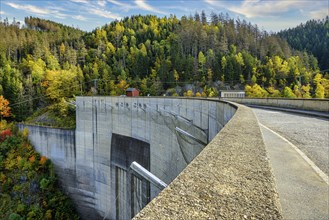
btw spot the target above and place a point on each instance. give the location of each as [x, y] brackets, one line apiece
[297, 111]
[303, 192]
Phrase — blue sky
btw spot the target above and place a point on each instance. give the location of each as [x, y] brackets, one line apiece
[270, 15]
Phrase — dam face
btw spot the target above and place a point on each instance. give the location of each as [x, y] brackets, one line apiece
[161, 134]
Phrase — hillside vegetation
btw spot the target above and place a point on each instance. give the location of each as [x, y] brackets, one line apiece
[45, 65]
[28, 186]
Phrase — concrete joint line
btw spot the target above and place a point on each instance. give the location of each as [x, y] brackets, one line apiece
[308, 160]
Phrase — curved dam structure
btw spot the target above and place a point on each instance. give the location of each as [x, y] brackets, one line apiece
[161, 134]
[230, 178]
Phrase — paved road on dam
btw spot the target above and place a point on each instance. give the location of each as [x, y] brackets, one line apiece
[298, 151]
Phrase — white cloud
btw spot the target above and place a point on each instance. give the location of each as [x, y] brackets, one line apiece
[2, 12]
[60, 15]
[254, 1]
[80, 1]
[319, 14]
[257, 8]
[29, 8]
[212, 2]
[79, 17]
[118, 3]
[179, 8]
[273, 8]
[104, 13]
[220, 4]
[57, 8]
[120, 6]
[101, 3]
[143, 5]
[38, 10]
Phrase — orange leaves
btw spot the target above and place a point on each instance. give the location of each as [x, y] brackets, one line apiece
[4, 108]
[28, 146]
[32, 159]
[43, 160]
[4, 134]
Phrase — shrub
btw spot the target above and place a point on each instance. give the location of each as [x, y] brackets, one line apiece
[43, 160]
[189, 93]
[288, 93]
[20, 208]
[25, 132]
[32, 159]
[48, 214]
[44, 183]
[273, 92]
[255, 91]
[4, 134]
[3, 124]
[14, 216]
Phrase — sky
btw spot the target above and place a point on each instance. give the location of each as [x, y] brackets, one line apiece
[270, 15]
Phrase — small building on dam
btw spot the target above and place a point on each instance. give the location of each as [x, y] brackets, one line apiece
[161, 135]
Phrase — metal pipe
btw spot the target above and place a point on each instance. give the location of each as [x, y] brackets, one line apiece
[140, 170]
[190, 136]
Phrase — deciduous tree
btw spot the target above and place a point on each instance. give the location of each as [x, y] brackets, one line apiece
[4, 107]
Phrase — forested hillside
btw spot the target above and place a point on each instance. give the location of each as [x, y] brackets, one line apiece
[32, 54]
[43, 64]
[313, 36]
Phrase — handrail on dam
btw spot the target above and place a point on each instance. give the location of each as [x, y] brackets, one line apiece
[190, 136]
[140, 170]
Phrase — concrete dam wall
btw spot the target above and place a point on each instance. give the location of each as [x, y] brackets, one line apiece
[162, 134]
